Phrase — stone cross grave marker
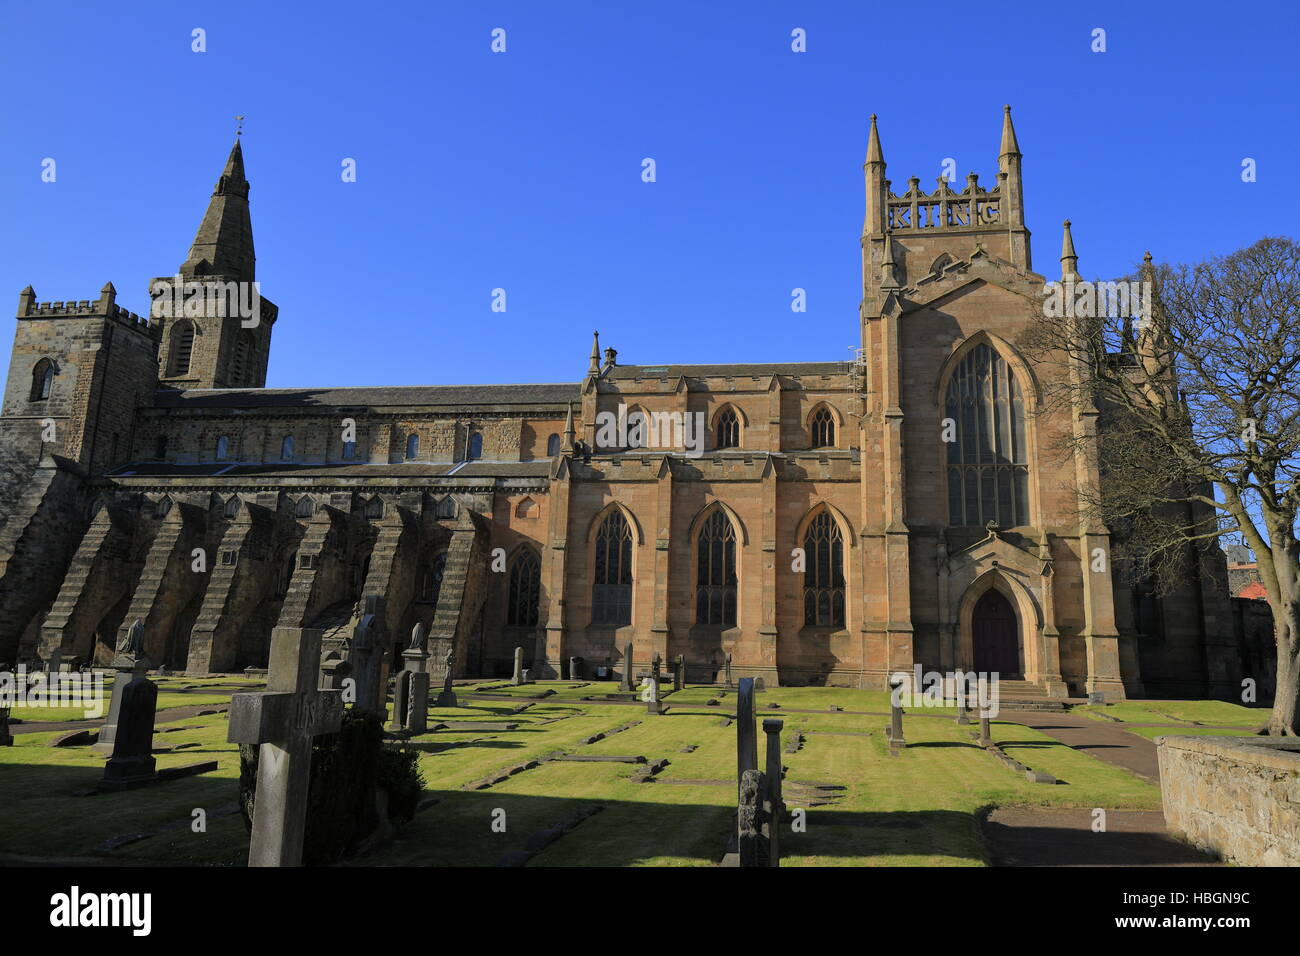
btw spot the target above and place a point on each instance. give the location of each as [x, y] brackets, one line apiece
[518, 676]
[628, 678]
[679, 673]
[129, 662]
[132, 763]
[653, 705]
[282, 720]
[448, 697]
[775, 806]
[417, 668]
[728, 669]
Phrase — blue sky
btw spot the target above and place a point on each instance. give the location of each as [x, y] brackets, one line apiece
[522, 170]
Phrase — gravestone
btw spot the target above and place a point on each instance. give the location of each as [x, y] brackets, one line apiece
[368, 649]
[129, 662]
[746, 737]
[417, 668]
[6, 737]
[963, 699]
[895, 713]
[447, 698]
[727, 670]
[401, 700]
[132, 763]
[751, 822]
[986, 739]
[334, 670]
[282, 720]
[653, 704]
[627, 684]
[679, 673]
[518, 676]
[775, 805]
[574, 669]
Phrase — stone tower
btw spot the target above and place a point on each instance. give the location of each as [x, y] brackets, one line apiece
[77, 374]
[215, 325]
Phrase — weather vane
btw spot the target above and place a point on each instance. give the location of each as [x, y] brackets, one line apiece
[239, 129]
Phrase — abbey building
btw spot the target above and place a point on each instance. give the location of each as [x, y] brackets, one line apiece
[812, 520]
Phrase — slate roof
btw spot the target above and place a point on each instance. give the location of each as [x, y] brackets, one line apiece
[556, 394]
[737, 370]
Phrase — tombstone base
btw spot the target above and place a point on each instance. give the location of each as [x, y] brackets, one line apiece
[128, 773]
[446, 699]
[654, 707]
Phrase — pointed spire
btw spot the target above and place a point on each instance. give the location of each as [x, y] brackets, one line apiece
[570, 435]
[1009, 144]
[224, 243]
[1069, 259]
[594, 367]
[108, 289]
[874, 152]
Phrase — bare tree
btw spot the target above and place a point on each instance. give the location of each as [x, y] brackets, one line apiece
[1198, 393]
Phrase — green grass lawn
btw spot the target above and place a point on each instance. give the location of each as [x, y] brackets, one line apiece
[1217, 712]
[919, 808]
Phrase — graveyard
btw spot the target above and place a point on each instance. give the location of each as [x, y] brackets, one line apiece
[586, 773]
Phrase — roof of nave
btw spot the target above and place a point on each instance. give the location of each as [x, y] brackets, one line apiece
[358, 470]
[381, 396]
[735, 370]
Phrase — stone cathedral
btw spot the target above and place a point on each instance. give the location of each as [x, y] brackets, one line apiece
[822, 534]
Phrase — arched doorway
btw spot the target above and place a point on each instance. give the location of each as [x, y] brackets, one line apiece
[993, 636]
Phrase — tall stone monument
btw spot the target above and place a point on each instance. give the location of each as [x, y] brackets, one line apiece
[132, 763]
[129, 663]
[282, 720]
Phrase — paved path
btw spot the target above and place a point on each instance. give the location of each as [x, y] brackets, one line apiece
[1104, 741]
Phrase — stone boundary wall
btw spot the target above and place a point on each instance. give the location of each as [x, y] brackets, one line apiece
[1238, 797]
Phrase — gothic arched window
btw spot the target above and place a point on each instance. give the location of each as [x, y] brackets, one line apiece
[305, 507]
[431, 578]
[611, 595]
[525, 590]
[42, 380]
[822, 428]
[988, 464]
[823, 580]
[182, 350]
[553, 446]
[349, 450]
[232, 506]
[715, 576]
[412, 446]
[286, 448]
[729, 429]
[375, 507]
[446, 508]
[475, 447]
[223, 448]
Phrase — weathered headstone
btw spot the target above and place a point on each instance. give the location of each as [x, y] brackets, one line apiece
[896, 713]
[986, 738]
[518, 676]
[283, 719]
[129, 662]
[775, 805]
[448, 697]
[679, 673]
[628, 677]
[132, 763]
[727, 671]
[751, 840]
[368, 650]
[334, 670]
[963, 699]
[746, 736]
[574, 669]
[417, 666]
[401, 700]
[653, 704]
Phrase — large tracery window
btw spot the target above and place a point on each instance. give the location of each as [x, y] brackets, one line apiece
[715, 577]
[823, 580]
[611, 595]
[525, 590]
[988, 464]
[822, 428]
